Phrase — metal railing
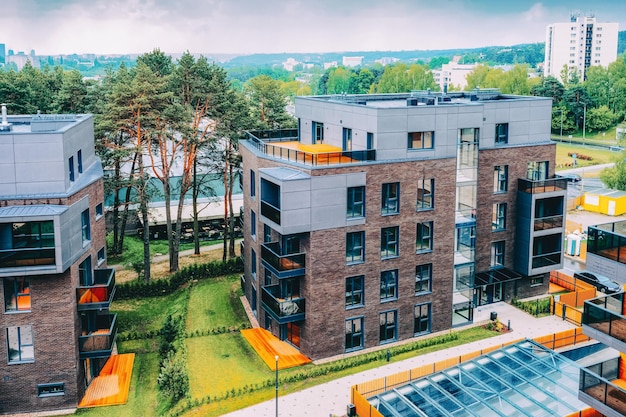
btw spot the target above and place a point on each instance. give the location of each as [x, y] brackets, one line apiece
[100, 294]
[541, 186]
[99, 343]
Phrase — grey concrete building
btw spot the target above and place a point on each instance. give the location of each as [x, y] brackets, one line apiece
[388, 217]
[55, 328]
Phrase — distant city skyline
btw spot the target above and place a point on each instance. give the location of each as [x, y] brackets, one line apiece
[53, 27]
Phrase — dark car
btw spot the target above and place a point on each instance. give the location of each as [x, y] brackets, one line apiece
[601, 282]
[570, 177]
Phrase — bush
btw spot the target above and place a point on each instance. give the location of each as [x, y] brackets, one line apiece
[173, 379]
[535, 307]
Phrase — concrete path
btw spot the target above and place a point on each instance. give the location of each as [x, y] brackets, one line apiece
[333, 397]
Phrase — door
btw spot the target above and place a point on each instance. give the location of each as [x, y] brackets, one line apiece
[611, 211]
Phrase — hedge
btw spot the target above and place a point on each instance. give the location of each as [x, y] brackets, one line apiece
[143, 289]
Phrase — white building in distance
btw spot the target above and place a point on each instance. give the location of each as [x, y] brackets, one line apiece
[580, 43]
[352, 61]
[453, 73]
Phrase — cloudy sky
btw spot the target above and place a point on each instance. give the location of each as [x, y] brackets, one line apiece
[250, 26]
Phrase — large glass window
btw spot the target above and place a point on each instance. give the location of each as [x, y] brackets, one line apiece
[421, 319]
[354, 334]
[502, 133]
[537, 171]
[354, 291]
[388, 326]
[421, 140]
[497, 254]
[389, 285]
[391, 198]
[318, 132]
[498, 220]
[423, 278]
[356, 202]
[84, 272]
[424, 237]
[389, 237]
[20, 344]
[85, 226]
[347, 139]
[425, 193]
[16, 294]
[500, 178]
[355, 247]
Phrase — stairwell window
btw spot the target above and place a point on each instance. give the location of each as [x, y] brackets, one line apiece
[498, 221]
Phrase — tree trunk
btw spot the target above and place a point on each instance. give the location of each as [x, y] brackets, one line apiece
[124, 219]
[231, 220]
[225, 179]
[116, 248]
[143, 208]
[194, 194]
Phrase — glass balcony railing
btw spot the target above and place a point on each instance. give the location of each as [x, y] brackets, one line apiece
[99, 295]
[99, 343]
[292, 264]
[284, 310]
[541, 186]
[11, 258]
[601, 388]
[605, 314]
[546, 223]
[270, 212]
[549, 259]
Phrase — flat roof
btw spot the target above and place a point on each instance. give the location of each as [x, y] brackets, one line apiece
[523, 379]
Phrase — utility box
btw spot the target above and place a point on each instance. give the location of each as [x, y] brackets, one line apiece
[351, 411]
[493, 316]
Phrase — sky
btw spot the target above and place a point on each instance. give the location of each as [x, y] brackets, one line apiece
[52, 27]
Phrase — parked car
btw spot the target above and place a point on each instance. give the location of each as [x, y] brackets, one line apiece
[601, 282]
[570, 177]
[616, 148]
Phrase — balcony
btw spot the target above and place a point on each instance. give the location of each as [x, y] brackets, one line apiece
[541, 186]
[604, 320]
[11, 258]
[99, 295]
[271, 212]
[99, 343]
[282, 310]
[284, 144]
[548, 259]
[546, 223]
[283, 266]
[601, 388]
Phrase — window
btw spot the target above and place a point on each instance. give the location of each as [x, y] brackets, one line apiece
[537, 171]
[423, 278]
[355, 247]
[354, 291]
[425, 191]
[356, 202]
[391, 198]
[421, 319]
[389, 285]
[370, 140]
[267, 234]
[502, 133]
[51, 390]
[20, 344]
[85, 227]
[253, 263]
[387, 325]
[424, 238]
[16, 294]
[84, 272]
[101, 255]
[253, 224]
[347, 139]
[498, 219]
[500, 179]
[389, 237]
[497, 254]
[354, 334]
[99, 210]
[318, 132]
[71, 167]
[252, 184]
[79, 161]
[421, 140]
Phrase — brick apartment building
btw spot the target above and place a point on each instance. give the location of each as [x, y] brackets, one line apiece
[55, 328]
[389, 217]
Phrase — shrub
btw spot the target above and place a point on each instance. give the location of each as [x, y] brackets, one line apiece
[173, 379]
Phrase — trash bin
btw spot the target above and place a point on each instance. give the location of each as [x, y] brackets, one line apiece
[351, 410]
[493, 316]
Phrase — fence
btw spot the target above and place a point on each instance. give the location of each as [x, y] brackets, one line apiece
[565, 305]
[380, 385]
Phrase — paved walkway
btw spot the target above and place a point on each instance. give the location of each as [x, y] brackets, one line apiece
[333, 397]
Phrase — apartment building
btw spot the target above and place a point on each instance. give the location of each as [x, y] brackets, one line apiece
[390, 217]
[55, 328]
[578, 44]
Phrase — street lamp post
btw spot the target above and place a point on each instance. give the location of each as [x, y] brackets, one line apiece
[584, 120]
[561, 125]
[276, 357]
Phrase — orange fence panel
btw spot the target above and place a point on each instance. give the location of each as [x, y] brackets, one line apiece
[446, 363]
[363, 407]
[398, 379]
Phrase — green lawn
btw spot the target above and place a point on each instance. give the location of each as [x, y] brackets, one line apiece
[599, 156]
[147, 314]
[208, 311]
[133, 248]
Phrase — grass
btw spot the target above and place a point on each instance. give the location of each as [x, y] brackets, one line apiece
[600, 156]
[146, 314]
[209, 312]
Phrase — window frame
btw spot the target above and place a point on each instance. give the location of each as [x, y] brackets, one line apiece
[387, 327]
[79, 161]
[99, 211]
[355, 209]
[102, 256]
[85, 226]
[421, 319]
[498, 217]
[420, 237]
[388, 285]
[59, 391]
[253, 225]
[360, 334]
[498, 251]
[390, 198]
[71, 171]
[389, 242]
[426, 195]
[352, 246]
[252, 184]
[17, 292]
[317, 129]
[500, 179]
[502, 134]
[355, 290]
[423, 279]
[20, 345]
[417, 141]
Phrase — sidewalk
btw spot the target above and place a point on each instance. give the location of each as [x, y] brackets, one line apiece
[333, 397]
